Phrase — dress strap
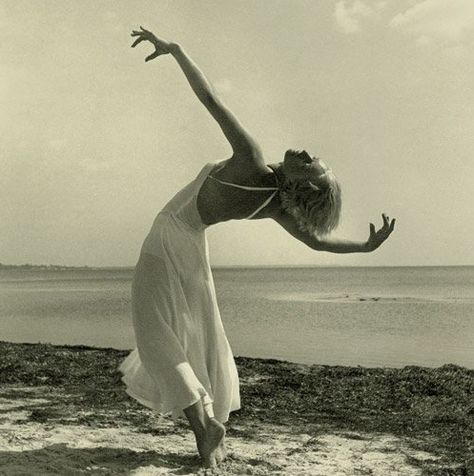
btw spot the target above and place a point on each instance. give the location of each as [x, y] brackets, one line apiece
[263, 205]
[243, 187]
[247, 187]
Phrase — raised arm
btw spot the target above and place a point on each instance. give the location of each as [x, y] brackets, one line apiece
[333, 245]
[243, 145]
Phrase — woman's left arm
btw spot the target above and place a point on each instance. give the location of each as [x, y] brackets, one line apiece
[334, 245]
[242, 143]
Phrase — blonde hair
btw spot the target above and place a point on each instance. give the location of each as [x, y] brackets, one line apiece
[316, 208]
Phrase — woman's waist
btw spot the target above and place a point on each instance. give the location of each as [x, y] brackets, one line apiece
[171, 230]
[185, 217]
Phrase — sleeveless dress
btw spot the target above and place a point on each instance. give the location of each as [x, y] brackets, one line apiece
[182, 353]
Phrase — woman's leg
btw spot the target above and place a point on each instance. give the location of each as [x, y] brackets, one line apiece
[209, 434]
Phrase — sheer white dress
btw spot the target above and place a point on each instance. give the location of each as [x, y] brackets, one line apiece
[182, 353]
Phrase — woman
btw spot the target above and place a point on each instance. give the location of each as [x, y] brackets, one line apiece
[183, 362]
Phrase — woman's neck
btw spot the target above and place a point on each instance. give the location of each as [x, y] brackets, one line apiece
[278, 172]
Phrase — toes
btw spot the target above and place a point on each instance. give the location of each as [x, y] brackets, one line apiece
[219, 457]
[210, 462]
[221, 451]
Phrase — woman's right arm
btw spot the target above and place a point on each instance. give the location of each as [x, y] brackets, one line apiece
[242, 143]
[334, 245]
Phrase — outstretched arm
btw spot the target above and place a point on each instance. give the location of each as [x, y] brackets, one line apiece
[240, 140]
[332, 245]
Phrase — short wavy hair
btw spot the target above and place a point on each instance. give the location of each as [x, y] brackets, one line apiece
[316, 208]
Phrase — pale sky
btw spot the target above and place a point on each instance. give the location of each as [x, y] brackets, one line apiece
[95, 141]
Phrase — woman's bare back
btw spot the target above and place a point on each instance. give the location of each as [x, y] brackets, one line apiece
[218, 202]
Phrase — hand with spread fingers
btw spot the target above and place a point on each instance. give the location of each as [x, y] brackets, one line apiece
[162, 47]
[377, 237]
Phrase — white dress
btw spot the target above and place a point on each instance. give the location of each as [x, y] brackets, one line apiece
[182, 353]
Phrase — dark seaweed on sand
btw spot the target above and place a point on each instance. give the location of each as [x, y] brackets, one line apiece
[434, 407]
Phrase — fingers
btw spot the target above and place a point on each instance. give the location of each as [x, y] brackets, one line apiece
[138, 40]
[143, 35]
[377, 237]
[153, 55]
[388, 225]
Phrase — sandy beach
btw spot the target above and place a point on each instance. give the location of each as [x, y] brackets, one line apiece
[63, 411]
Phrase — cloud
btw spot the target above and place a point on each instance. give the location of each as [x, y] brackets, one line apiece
[57, 144]
[4, 87]
[431, 20]
[112, 22]
[457, 51]
[348, 15]
[94, 165]
[381, 4]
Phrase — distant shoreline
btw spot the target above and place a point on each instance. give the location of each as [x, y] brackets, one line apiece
[49, 267]
[238, 267]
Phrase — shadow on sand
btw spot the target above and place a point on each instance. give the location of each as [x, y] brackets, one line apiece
[58, 458]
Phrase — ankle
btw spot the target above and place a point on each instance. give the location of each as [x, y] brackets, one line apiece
[200, 431]
[202, 427]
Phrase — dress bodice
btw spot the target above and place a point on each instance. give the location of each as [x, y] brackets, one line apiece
[183, 207]
[184, 204]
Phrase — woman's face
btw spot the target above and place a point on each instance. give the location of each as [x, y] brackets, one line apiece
[299, 165]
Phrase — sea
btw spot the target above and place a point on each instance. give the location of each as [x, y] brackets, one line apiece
[351, 316]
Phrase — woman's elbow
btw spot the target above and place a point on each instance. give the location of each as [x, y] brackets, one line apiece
[317, 244]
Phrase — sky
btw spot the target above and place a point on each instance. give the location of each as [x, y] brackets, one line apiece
[95, 140]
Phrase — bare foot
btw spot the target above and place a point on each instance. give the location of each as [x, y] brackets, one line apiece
[210, 442]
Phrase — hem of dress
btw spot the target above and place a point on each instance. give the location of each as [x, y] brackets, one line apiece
[225, 420]
[176, 411]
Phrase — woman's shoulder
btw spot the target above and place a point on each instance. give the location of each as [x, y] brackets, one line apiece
[246, 172]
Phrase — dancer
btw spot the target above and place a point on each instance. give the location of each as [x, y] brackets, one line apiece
[183, 363]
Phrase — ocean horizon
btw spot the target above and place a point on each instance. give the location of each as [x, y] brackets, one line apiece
[372, 316]
[235, 266]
